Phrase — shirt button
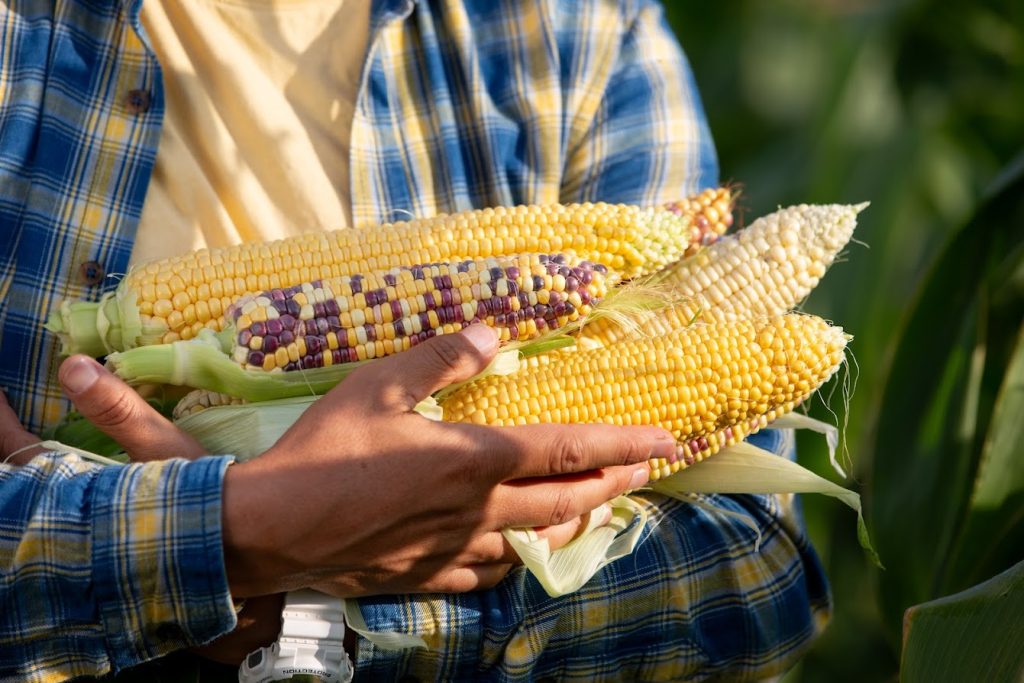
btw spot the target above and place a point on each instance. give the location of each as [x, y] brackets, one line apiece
[91, 273]
[137, 101]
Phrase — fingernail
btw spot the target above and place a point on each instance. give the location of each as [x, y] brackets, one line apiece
[640, 477]
[664, 446]
[79, 375]
[482, 337]
[604, 514]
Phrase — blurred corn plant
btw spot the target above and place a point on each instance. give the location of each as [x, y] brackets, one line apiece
[915, 107]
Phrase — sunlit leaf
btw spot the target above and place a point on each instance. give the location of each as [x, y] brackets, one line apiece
[975, 635]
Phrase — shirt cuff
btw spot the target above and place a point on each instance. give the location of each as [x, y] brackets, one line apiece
[158, 559]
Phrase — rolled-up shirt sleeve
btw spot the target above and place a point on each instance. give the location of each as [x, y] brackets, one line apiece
[104, 567]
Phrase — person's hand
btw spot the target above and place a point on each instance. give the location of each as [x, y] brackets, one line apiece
[145, 434]
[111, 405]
[365, 496]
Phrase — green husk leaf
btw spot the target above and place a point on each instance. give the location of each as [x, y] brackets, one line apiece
[567, 569]
[200, 363]
[830, 432]
[249, 429]
[744, 468]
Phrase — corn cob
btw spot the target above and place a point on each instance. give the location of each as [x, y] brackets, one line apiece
[361, 317]
[326, 325]
[199, 400]
[763, 270]
[711, 385]
[175, 298]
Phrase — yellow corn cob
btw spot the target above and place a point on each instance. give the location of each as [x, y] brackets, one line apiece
[201, 399]
[175, 298]
[763, 270]
[711, 385]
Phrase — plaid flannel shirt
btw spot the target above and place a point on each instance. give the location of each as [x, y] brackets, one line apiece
[462, 104]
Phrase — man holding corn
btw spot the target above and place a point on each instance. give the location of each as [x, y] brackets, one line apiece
[131, 129]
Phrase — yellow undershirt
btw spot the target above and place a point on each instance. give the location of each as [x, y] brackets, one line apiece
[259, 103]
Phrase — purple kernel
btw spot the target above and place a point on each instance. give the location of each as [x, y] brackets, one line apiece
[543, 258]
[587, 277]
[601, 268]
[356, 283]
[560, 309]
[290, 366]
[513, 331]
[438, 282]
[333, 323]
[513, 288]
[552, 269]
[319, 310]
[277, 295]
[541, 310]
[495, 273]
[258, 329]
[338, 356]
[294, 308]
[447, 281]
[332, 308]
[396, 309]
[270, 344]
[538, 283]
[584, 297]
[352, 354]
[565, 271]
[571, 284]
[312, 345]
[417, 273]
[528, 312]
[558, 258]
[256, 358]
[481, 310]
[506, 304]
[554, 298]
[371, 332]
[322, 327]
[425, 319]
[512, 272]
[446, 297]
[287, 321]
[286, 337]
[243, 337]
[280, 306]
[390, 280]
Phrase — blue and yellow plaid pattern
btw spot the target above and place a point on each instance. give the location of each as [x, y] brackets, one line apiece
[108, 566]
[463, 104]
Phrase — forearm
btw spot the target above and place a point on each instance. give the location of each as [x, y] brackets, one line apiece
[106, 567]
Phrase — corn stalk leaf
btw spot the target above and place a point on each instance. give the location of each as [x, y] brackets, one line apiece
[934, 414]
[975, 635]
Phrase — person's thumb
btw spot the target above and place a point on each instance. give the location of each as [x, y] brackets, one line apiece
[122, 414]
[407, 378]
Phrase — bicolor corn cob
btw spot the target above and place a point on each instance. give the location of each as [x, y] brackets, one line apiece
[355, 318]
[175, 298]
[711, 385]
[764, 270]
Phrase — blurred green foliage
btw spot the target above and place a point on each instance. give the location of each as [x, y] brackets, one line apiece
[913, 106]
